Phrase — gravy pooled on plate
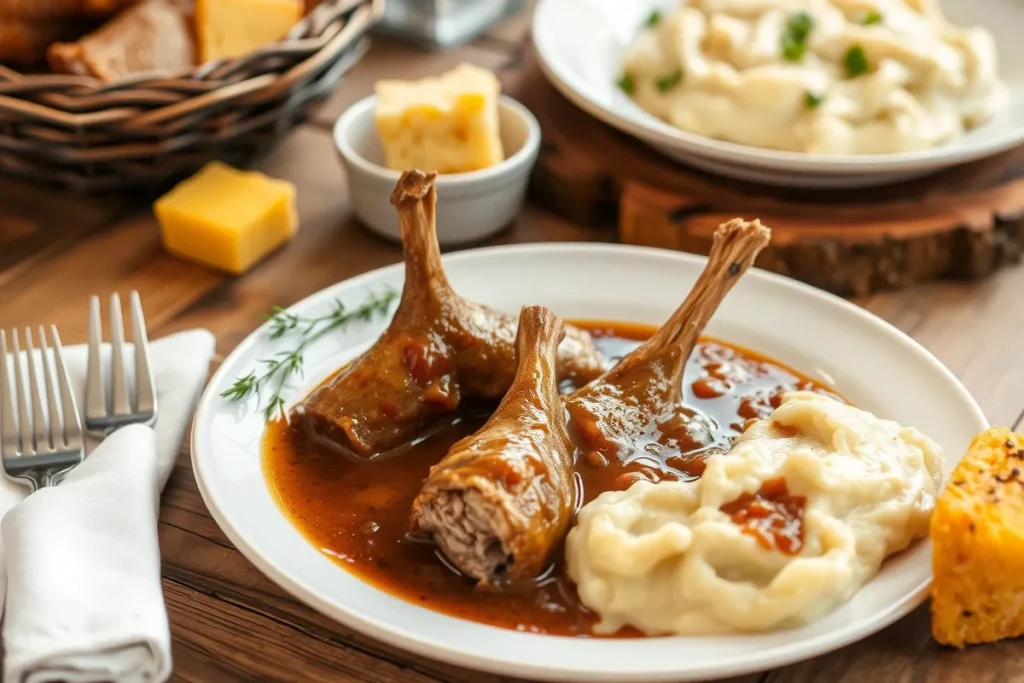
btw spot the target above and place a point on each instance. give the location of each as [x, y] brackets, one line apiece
[358, 515]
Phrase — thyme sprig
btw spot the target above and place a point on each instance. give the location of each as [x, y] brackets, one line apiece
[277, 370]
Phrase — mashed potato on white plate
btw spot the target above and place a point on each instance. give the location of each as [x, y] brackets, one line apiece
[666, 558]
[819, 76]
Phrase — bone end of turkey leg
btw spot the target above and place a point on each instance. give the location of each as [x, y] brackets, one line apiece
[738, 243]
[412, 186]
[734, 248]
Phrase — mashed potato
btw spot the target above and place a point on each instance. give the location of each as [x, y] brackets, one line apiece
[822, 492]
[823, 76]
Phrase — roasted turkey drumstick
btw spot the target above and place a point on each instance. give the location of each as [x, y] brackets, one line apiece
[502, 499]
[500, 502]
[637, 405]
[438, 350]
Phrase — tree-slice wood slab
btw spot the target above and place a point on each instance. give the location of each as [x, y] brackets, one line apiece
[965, 222]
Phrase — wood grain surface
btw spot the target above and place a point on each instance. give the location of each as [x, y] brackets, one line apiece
[229, 622]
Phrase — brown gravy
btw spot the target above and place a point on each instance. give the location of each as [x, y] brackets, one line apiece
[772, 516]
[358, 515]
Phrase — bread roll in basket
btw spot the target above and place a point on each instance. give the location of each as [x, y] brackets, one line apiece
[89, 134]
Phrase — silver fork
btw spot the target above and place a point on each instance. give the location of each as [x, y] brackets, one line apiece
[38, 447]
[124, 408]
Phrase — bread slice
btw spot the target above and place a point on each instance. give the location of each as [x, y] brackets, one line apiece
[978, 544]
[152, 36]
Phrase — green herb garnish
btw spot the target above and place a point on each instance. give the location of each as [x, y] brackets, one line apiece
[653, 19]
[855, 61]
[666, 83]
[278, 369]
[800, 25]
[794, 37]
[872, 17]
[793, 52]
[813, 101]
[627, 84]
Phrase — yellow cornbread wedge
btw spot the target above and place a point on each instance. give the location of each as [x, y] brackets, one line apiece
[232, 28]
[226, 218]
[978, 544]
[447, 124]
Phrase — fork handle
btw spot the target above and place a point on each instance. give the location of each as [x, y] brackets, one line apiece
[41, 480]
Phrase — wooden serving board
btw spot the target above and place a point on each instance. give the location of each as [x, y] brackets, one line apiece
[962, 223]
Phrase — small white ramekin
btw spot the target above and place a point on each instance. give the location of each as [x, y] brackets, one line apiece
[470, 206]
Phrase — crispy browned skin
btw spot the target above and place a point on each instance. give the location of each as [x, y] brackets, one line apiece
[501, 500]
[438, 350]
[637, 406]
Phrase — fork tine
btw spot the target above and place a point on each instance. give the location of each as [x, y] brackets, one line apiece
[95, 395]
[39, 430]
[8, 430]
[145, 397]
[49, 379]
[72, 420]
[119, 404]
[22, 391]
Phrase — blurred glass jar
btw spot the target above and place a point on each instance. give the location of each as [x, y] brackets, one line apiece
[443, 23]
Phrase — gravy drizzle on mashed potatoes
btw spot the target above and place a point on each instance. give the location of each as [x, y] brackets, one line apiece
[821, 76]
[666, 558]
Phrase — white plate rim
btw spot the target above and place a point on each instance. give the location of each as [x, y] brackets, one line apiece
[424, 645]
[654, 131]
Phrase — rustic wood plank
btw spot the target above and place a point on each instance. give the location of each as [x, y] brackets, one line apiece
[975, 328]
[391, 58]
[216, 640]
[128, 255]
[906, 653]
[34, 226]
[125, 257]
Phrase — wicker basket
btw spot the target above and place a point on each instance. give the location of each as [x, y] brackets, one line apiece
[82, 134]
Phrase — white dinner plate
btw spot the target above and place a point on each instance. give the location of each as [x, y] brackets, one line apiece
[867, 360]
[581, 43]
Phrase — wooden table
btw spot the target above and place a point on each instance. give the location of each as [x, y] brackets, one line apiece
[230, 623]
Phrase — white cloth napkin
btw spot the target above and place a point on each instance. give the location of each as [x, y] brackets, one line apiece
[84, 602]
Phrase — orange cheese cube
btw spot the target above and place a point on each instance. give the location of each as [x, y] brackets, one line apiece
[447, 124]
[232, 28]
[978, 544]
[226, 218]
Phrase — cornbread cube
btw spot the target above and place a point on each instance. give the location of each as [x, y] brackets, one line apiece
[978, 544]
[226, 218]
[232, 28]
[447, 124]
